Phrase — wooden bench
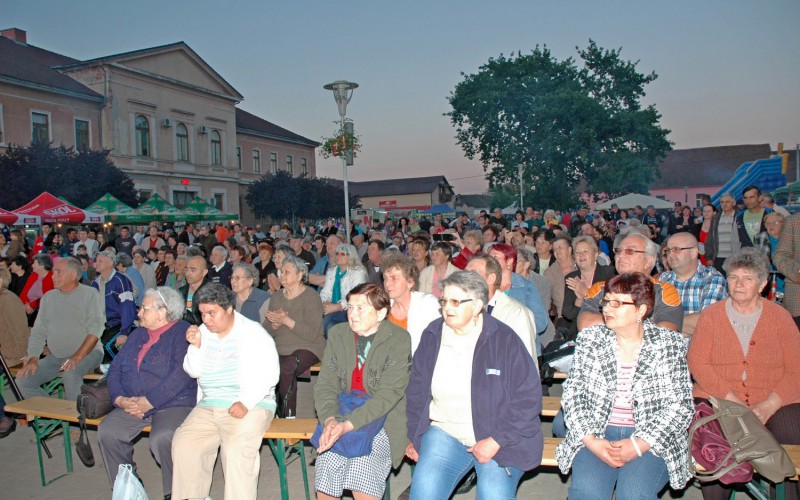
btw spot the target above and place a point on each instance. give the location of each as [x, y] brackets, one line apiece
[47, 414]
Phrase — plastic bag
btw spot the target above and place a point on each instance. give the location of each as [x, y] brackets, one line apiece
[127, 485]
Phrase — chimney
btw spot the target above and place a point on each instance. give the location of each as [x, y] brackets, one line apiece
[16, 34]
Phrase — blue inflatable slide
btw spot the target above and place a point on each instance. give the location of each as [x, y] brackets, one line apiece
[766, 174]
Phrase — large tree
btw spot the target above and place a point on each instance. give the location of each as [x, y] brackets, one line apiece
[281, 196]
[80, 177]
[569, 126]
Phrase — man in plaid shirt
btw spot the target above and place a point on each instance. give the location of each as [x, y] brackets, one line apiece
[787, 260]
[699, 286]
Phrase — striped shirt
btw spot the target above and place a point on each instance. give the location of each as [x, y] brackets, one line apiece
[622, 411]
[220, 380]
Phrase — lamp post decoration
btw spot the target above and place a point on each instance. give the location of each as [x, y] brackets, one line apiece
[342, 93]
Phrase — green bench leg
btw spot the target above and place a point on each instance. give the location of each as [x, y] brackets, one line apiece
[43, 427]
[280, 450]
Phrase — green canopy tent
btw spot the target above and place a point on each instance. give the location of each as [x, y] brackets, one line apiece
[788, 194]
[198, 209]
[158, 208]
[117, 211]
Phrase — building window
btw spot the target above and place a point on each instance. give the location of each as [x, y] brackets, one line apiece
[239, 157]
[273, 163]
[142, 136]
[289, 166]
[304, 166]
[216, 148]
[182, 198]
[219, 199]
[81, 135]
[256, 161]
[182, 142]
[40, 131]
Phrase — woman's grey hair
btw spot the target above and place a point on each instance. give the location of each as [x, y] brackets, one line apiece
[249, 270]
[584, 239]
[123, 260]
[298, 263]
[182, 257]
[470, 282]
[749, 258]
[353, 260]
[549, 214]
[170, 299]
[475, 235]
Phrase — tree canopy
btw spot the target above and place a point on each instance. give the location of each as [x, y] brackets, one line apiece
[281, 196]
[570, 127]
[80, 177]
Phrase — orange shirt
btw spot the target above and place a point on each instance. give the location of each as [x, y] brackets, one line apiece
[402, 323]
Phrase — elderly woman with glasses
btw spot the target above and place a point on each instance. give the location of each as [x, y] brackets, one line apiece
[344, 273]
[627, 402]
[473, 400]
[148, 386]
[746, 349]
[250, 300]
[372, 355]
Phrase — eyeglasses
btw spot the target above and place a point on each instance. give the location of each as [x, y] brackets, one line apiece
[676, 249]
[614, 303]
[775, 223]
[627, 251]
[453, 302]
[148, 308]
[339, 254]
[237, 278]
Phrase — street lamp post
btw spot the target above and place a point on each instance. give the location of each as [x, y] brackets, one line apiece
[343, 92]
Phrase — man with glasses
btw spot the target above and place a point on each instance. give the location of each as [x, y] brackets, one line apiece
[636, 253]
[699, 286]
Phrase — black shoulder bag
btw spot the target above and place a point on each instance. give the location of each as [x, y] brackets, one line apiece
[94, 401]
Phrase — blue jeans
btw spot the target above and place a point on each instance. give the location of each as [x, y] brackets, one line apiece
[443, 461]
[641, 478]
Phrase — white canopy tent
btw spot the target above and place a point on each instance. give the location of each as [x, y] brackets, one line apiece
[631, 200]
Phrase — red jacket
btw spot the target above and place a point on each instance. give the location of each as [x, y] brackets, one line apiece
[47, 285]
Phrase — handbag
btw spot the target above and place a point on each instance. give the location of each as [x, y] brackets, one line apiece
[710, 449]
[127, 486]
[93, 402]
[749, 442]
[357, 442]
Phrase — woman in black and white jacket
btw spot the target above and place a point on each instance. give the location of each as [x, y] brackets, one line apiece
[627, 401]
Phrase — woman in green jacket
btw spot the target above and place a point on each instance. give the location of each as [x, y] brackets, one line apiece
[374, 356]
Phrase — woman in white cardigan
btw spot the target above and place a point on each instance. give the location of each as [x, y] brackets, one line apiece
[410, 310]
[441, 267]
[342, 277]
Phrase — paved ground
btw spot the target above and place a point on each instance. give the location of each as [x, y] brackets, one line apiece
[19, 478]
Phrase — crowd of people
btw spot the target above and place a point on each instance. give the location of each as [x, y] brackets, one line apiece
[429, 332]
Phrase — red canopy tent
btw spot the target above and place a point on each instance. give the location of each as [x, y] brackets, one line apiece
[14, 219]
[52, 209]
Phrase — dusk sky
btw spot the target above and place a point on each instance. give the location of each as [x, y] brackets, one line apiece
[729, 71]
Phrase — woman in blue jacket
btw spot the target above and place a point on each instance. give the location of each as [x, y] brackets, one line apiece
[473, 399]
[148, 386]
